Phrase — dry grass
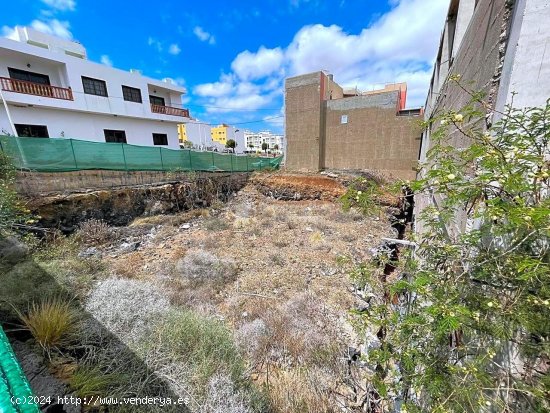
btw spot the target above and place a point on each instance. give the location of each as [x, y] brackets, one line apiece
[52, 322]
[300, 391]
[129, 265]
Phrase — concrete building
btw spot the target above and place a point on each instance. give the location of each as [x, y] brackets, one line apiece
[202, 136]
[222, 133]
[52, 90]
[500, 47]
[326, 128]
[254, 141]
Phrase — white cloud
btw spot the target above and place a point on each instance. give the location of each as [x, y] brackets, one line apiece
[174, 49]
[151, 41]
[61, 5]
[399, 46]
[216, 89]
[8, 32]
[263, 63]
[203, 35]
[106, 60]
[53, 27]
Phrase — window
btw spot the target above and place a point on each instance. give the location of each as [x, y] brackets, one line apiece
[29, 76]
[94, 86]
[156, 100]
[32, 131]
[131, 94]
[160, 139]
[117, 136]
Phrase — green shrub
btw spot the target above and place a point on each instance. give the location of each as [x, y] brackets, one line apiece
[11, 209]
[89, 381]
[205, 344]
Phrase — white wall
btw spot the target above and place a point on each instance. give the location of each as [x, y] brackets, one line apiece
[526, 69]
[90, 127]
[67, 71]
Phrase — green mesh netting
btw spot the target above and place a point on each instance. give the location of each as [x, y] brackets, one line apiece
[15, 392]
[60, 155]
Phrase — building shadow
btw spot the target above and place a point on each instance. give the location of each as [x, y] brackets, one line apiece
[106, 366]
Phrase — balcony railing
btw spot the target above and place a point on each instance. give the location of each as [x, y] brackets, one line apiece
[169, 110]
[37, 89]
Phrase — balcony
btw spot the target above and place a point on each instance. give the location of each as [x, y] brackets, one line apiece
[37, 89]
[169, 110]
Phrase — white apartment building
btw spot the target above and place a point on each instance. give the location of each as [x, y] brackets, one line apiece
[53, 91]
[254, 141]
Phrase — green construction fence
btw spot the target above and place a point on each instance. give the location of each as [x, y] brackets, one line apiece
[15, 392]
[61, 155]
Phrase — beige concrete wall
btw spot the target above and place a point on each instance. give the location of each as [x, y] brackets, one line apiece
[374, 139]
[303, 122]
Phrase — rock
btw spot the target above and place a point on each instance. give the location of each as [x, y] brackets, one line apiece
[185, 226]
[88, 252]
[129, 246]
[309, 229]
[12, 251]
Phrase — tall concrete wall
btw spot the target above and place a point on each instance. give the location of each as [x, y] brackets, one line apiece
[373, 138]
[504, 49]
[326, 130]
[303, 122]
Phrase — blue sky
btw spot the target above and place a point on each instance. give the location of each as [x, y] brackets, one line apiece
[233, 56]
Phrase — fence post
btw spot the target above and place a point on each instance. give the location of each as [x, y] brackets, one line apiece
[124, 156]
[190, 160]
[161, 161]
[231, 162]
[247, 159]
[213, 163]
[74, 156]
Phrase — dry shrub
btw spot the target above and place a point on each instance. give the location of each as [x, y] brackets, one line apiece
[128, 308]
[94, 232]
[300, 391]
[200, 267]
[253, 338]
[51, 321]
[129, 265]
[223, 397]
[216, 224]
[301, 332]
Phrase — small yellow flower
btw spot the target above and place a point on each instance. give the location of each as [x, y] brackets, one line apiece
[490, 304]
[458, 117]
[359, 192]
[450, 177]
[527, 218]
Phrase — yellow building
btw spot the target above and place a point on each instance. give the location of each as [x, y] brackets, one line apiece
[182, 133]
[219, 133]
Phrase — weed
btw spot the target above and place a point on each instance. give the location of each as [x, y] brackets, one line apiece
[51, 322]
[216, 224]
[199, 267]
[94, 232]
[205, 344]
[89, 381]
[277, 260]
[128, 308]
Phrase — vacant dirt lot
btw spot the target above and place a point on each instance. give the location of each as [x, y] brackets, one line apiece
[288, 299]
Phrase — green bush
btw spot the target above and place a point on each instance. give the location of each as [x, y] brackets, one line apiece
[472, 326]
[204, 344]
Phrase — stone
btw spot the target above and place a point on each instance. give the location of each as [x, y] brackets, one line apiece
[185, 226]
[12, 250]
[89, 252]
[129, 246]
